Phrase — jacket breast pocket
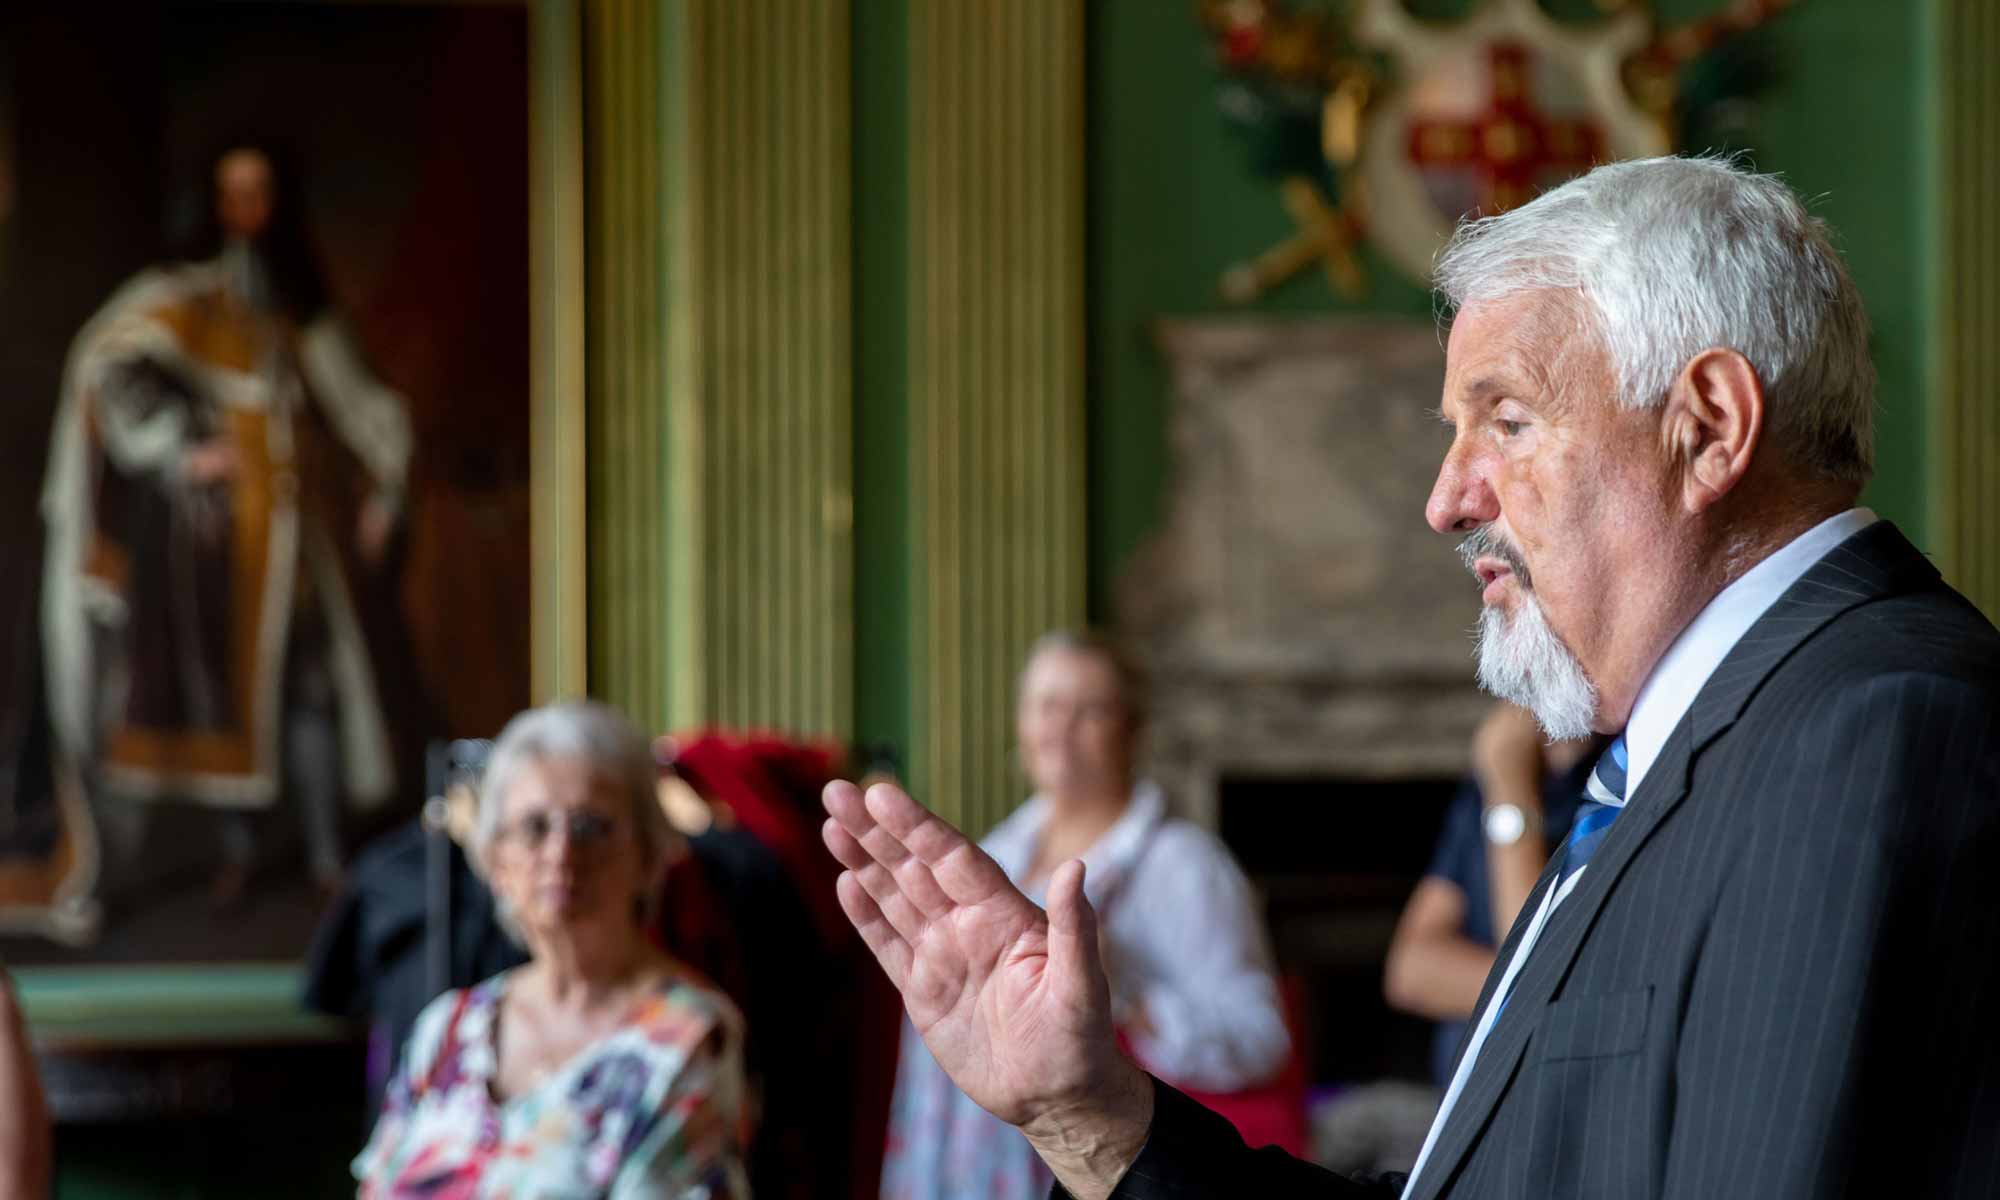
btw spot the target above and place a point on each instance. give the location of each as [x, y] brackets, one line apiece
[1601, 1026]
[1583, 1116]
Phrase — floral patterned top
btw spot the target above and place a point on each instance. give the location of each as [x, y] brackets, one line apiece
[653, 1110]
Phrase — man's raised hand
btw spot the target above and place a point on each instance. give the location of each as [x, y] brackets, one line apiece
[1012, 1001]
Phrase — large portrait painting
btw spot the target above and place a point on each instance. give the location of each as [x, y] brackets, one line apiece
[264, 357]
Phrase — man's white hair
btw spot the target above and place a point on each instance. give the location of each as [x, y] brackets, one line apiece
[1673, 256]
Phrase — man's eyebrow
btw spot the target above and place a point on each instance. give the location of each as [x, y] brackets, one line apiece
[1487, 386]
[1479, 391]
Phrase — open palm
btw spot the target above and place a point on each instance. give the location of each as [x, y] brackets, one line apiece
[1012, 1001]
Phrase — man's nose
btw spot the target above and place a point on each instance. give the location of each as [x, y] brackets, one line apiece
[1461, 499]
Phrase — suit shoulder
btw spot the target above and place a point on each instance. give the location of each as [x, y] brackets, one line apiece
[1889, 712]
[1932, 636]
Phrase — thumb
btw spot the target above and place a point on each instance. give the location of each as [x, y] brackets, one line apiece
[1073, 953]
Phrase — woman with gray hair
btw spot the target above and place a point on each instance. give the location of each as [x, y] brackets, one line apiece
[602, 1067]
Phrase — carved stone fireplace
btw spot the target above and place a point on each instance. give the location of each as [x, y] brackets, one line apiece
[1306, 636]
[1294, 613]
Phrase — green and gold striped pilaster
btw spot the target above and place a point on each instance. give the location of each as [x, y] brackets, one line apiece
[996, 163]
[721, 454]
[627, 77]
[556, 304]
[1968, 301]
[763, 320]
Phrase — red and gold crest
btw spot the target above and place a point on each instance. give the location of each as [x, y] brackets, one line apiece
[1422, 123]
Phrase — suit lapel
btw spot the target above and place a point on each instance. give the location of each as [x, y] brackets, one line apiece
[1875, 562]
[1505, 954]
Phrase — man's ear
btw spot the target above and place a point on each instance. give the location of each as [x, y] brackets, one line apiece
[1713, 423]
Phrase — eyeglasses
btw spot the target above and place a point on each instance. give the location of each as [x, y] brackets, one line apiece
[587, 830]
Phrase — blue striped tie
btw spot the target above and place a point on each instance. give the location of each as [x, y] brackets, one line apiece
[1603, 800]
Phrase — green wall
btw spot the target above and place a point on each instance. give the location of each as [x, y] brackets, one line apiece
[1172, 202]
[882, 529]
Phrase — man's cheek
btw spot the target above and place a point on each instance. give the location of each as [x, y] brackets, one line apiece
[1522, 514]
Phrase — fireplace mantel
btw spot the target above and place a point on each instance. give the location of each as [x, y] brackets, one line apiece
[1295, 615]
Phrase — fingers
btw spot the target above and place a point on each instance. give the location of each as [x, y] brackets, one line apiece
[881, 844]
[843, 845]
[877, 880]
[1070, 914]
[1073, 954]
[860, 844]
[913, 876]
[843, 804]
[883, 941]
[964, 872]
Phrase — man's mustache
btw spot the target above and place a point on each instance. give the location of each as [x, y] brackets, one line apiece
[1487, 542]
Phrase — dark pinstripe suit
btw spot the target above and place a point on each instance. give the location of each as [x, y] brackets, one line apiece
[1780, 976]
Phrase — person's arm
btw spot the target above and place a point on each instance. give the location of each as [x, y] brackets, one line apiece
[26, 1154]
[1212, 1017]
[369, 416]
[1433, 969]
[1839, 1036]
[1014, 1006]
[1194, 1152]
[140, 412]
[1508, 762]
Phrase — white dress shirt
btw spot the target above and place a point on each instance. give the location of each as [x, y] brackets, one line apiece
[1663, 700]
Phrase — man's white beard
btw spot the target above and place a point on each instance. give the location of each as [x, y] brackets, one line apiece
[1523, 661]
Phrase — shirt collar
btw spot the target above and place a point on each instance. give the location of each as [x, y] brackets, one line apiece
[1670, 690]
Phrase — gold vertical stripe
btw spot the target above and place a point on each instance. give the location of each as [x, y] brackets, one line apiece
[629, 573]
[996, 375]
[1968, 417]
[599, 123]
[683, 45]
[558, 529]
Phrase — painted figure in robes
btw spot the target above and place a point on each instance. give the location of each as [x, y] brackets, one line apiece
[202, 644]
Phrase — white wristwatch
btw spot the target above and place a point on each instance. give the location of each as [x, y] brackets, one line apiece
[1507, 823]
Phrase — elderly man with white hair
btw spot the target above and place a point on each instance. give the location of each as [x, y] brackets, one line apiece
[1766, 960]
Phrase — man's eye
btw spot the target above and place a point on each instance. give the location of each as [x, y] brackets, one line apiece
[1511, 428]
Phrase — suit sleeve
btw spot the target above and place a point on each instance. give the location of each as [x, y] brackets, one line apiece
[1193, 1154]
[1839, 1037]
